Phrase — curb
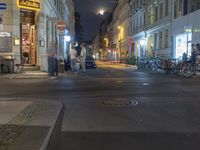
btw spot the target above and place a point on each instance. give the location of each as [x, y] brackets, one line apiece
[51, 142]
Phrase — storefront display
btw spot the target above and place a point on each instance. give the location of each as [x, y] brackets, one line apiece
[183, 44]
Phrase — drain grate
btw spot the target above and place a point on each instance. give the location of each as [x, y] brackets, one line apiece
[119, 102]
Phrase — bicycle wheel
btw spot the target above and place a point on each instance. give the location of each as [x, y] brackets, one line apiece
[187, 70]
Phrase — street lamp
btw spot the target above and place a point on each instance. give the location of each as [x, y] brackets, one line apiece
[106, 40]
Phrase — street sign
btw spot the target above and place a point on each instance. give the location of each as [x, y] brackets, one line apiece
[2, 6]
[61, 25]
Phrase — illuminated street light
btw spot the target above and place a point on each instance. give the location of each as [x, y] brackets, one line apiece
[106, 40]
[67, 38]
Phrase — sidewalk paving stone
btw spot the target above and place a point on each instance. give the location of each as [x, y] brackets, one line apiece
[30, 125]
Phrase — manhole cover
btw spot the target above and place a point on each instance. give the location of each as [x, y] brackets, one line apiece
[119, 102]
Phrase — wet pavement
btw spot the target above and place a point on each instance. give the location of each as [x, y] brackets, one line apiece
[164, 111]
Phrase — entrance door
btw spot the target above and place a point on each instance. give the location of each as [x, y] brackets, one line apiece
[28, 37]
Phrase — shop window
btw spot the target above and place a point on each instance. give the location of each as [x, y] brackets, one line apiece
[183, 44]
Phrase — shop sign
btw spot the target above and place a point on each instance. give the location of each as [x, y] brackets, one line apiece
[5, 34]
[2, 6]
[5, 42]
[188, 29]
[29, 4]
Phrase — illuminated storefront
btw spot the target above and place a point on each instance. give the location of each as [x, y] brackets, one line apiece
[186, 32]
[28, 32]
[183, 44]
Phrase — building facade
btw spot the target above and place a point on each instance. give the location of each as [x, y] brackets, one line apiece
[186, 26]
[155, 28]
[124, 29]
[30, 28]
[137, 21]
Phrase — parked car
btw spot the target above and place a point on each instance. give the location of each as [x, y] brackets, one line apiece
[90, 63]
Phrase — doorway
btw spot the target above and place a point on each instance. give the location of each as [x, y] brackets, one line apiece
[28, 37]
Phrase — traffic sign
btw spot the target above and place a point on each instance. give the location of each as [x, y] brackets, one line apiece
[61, 25]
[2, 6]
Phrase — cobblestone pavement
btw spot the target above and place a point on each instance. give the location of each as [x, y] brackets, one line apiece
[11, 130]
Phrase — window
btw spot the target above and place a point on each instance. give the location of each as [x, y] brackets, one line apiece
[160, 40]
[156, 13]
[180, 8]
[166, 38]
[166, 7]
[198, 5]
[175, 9]
[155, 40]
[161, 10]
[183, 44]
[151, 16]
[193, 8]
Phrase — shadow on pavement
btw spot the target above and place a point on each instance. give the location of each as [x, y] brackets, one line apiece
[130, 141]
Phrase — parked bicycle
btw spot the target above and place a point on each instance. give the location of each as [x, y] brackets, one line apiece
[191, 69]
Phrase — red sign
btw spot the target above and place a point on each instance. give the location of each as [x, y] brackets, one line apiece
[61, 25]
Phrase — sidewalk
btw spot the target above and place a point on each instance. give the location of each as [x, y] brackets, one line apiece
[30, 125]
[26, 75]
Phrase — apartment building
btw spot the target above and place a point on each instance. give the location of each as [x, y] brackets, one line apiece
[115, 32]
[186, 26]
[124, 28]
[137, 24]
[158, 28]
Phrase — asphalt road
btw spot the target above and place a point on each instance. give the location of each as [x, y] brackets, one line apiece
[119, 109]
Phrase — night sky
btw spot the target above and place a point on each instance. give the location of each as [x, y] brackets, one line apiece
[90, 20]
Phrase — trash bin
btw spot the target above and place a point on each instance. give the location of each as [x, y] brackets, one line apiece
[61, 66]
[6, 64]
